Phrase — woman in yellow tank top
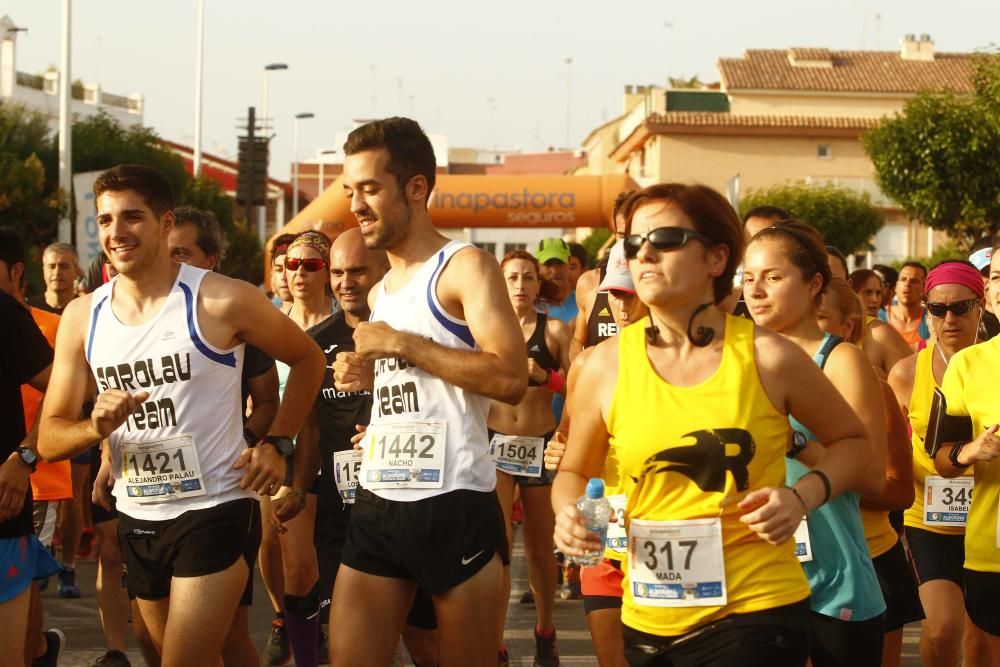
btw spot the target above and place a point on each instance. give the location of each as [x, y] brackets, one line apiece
[841, 313]
[935, 531]
[695, 404]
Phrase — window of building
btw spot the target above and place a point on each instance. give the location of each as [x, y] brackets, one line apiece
[824, 152]
[488, 247]
[511, 247]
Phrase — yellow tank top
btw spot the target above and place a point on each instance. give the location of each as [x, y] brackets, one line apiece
[879, 533]
[970, 385]
[688, 448]
[919, 414]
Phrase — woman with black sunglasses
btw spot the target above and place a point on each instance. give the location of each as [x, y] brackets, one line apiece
[935, 530]
[785, 274]
[308, 277]
[695, 403]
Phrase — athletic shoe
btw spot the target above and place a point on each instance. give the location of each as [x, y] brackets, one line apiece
[503, 658]
[546, 653]
[528, 597]
[67, 583]
[113, 658]
[276, 650]
[54, 642]
[324, 646]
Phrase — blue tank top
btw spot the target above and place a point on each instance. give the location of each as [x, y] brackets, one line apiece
[841, 575]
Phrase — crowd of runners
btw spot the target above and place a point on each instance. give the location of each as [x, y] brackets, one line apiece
[791, 450]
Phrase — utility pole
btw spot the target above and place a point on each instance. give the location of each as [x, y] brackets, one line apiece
[569, 97]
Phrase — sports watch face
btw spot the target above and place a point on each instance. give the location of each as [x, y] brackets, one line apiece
[799, 439]
[29, 457]
[283, 444]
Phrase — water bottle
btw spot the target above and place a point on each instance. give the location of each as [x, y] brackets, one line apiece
[597, 511]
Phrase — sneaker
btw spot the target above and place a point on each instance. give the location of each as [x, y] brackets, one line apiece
[546, 653]
[54, 642]
[276, 650]
[528, 597]
[324, 646]
[113, 658]
[67, 583]
[503, 658]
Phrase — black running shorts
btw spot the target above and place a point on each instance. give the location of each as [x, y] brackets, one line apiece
[773, 638]
[439, 542]
[899, 588]
[836, 643]
[197, 543]
[982, 590]
[332, 519]
[936, 556]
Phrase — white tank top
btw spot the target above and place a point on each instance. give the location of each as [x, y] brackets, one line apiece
[404, 393]
[176, 451]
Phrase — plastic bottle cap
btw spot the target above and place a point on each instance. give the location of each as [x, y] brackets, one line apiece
[595, 488]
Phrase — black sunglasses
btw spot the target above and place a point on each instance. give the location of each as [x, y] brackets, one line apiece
[959, 308]
[661, 238]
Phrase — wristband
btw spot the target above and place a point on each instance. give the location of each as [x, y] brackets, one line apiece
[805, 507]
[556, 382]
[250, 437]
[827, 489]
[953, 456]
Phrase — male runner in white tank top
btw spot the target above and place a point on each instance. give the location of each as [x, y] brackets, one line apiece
[444, 341]
[163, 343]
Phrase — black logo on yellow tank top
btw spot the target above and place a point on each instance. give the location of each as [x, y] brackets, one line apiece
[705, 463]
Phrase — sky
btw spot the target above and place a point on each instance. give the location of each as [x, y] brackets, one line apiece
[483, 74]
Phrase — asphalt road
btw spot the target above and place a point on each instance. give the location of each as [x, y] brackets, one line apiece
[79, 620]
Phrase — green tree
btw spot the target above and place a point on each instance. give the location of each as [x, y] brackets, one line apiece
[244, 257]
[594, 241]
[937, 159]
[29, 199]
[845, 218]
[101, 142]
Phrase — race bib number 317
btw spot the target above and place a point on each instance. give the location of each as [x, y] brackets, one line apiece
[677, 563]
[404, 455]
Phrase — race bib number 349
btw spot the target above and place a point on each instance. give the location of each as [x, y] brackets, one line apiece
[404, 455]
[946, 501]
[161, 471]
[677, 563]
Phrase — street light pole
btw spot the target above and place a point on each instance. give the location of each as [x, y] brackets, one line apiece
[198, 69]
[295, 165]
[65, 128]
[262, 214]
[569, 96]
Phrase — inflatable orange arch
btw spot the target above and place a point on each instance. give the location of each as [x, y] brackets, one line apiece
[505, 202]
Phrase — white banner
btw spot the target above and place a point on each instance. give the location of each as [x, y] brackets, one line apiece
[87, 243]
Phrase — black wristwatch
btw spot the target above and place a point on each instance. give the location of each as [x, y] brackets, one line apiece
[250, 437]
[799, 443]
[282, 443]
[953, 456]
[29, 457]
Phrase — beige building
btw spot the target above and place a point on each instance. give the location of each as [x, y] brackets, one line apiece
[780, 116]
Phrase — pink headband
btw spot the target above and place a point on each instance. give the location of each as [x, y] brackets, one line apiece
[955, 273]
